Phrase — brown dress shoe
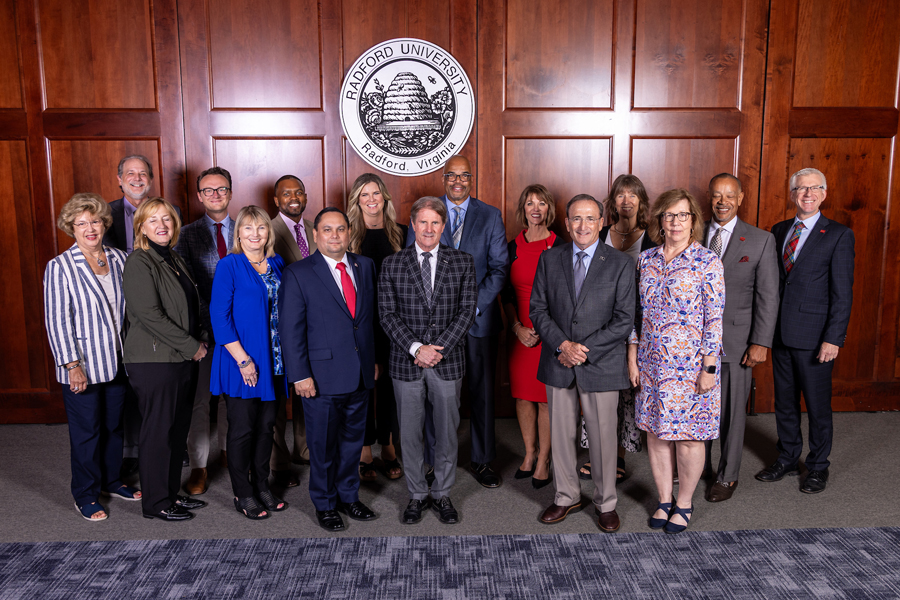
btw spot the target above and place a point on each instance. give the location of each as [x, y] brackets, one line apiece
[721, 490]
[556, 513]
[608, 522]
[197, 483]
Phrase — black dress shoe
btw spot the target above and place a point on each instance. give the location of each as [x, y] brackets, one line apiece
[429, 476]
[356, 510]
[446, 512]
[189, 503]
[413, 512]
[173, 513]
[815, 482]
[775, 472]
[330, 520]
[485, 475]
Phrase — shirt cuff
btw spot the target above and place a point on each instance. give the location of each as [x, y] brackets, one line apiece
[415, 346]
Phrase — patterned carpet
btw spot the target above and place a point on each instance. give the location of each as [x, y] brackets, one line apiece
[773, 564]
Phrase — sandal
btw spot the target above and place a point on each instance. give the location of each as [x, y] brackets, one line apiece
[685, 514]
[391, 465]
[250, 509]
[89, 510]
[271, 501]
[585, 471]
[621, 475]
[367, 471]
[660, 523]
[125, 492]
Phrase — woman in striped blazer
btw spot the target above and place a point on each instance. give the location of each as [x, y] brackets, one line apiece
[84, 309]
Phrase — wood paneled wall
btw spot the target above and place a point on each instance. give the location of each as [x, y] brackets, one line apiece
[570, 93]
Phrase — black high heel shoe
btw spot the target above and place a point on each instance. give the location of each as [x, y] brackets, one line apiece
[520, 474]
[539, 483]
[250, 509]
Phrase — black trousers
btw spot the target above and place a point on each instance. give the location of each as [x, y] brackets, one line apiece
[381, 419]
[165, 394]
[251, 423]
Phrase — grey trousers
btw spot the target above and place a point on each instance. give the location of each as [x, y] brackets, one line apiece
[736, 382]
[198, 436]
[443, 398]
[599, 409]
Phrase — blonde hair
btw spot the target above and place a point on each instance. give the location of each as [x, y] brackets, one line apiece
[254, 214]
[144, 211]
[666, 201]
[80, 203]
[357, 221]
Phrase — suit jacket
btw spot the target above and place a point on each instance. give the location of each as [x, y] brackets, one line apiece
[197, 246]
[601, 318]
[815, 299]
[751, 290]
[319, 338]
[115, 236]
[407, 317]
[81, 323]
[484, 237]
[286, 240]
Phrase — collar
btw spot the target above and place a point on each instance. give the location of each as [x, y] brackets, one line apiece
[212, 223]
[129, 208]
[450, 206]
[332, 264]
[729, 226]
[809, 222]
[290, 223]
[590, 249]
[419, 251]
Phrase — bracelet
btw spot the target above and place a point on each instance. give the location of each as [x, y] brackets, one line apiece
[519, 323]
[75, 366]
[246, 363]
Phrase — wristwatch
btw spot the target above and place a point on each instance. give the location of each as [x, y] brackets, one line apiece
[711, 369]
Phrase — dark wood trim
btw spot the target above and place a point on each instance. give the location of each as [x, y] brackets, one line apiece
[843, 122]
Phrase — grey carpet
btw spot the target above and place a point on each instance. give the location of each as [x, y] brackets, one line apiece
[772, 565]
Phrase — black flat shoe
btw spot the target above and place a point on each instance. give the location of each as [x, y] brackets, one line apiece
[446, 513]
[356, 511]
[173, 513]
[271, 501]
[250, 509]
[330, 520]
[189, 503]
[413, 512]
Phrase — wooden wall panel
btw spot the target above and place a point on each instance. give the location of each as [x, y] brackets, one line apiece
[265, 58]
[688, 53]
[10, 75]
[255, 166]
[663, 164]
[855, 62]
[542, 72]
[91, 166]
[97, 54]
[567, 167]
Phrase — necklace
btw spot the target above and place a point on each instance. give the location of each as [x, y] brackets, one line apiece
[253, 262]
[100, 262]
[177, 274]
[627, 233]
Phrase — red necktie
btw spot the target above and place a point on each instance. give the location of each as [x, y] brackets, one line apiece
[220, 242]
[790, 250]
[347, 286]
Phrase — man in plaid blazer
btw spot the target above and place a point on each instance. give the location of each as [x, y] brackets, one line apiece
[816, 294]
[427, 297]
[201, 245]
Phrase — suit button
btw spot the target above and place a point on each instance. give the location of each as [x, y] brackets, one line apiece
[355, 327]
[356, 348]
[574, 322]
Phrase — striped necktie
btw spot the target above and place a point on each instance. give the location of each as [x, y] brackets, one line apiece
[790, 249]
[457, 226]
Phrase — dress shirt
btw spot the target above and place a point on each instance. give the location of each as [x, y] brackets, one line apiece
[336, 275]
[291, 224]
[451, 214]
[211, 225]
[587, 259]
[804, 233]
[416, 345]
[727, 230]
[129, 211]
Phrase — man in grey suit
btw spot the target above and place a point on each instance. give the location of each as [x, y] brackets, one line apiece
[582, 306]
[202, 244]
[294, 240]
[748, 323]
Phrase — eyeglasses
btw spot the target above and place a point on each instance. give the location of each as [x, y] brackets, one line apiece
[579, 220]
[210, 191]
[682, 216]
[452, 177]
[810, 188]
[84, 224]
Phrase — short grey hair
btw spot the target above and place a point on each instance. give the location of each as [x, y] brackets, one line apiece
[141, 158]
[807, 171]
[429, 203]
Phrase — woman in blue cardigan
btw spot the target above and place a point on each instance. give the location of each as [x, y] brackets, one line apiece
[247, 364]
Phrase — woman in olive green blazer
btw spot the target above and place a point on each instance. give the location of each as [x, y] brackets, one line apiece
[162, 348]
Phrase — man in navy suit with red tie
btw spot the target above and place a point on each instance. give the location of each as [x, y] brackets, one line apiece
[816, 294]
[326, 316]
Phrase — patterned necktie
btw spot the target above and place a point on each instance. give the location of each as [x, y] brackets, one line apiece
[220, 242]
[716, 243]
[301, 241]
[457, 226]
[349, 290]
[580, 272]
[426, 275]
[790, 248]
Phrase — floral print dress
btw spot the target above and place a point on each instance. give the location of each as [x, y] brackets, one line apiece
[272, 284]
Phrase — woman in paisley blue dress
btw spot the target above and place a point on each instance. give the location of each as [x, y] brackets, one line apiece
[674, 353]
[247, 365]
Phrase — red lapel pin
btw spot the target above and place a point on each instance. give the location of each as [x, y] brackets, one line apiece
[743, 239]
[821, 231]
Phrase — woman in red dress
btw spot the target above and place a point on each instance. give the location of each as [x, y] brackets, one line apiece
[536, 211]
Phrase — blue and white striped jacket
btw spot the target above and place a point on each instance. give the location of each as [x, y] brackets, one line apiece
[80, 324]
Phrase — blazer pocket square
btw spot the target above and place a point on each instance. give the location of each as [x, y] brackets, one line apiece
[744, 259]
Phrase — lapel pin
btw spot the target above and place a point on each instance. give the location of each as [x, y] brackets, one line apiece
[743, 239]
[821, 231]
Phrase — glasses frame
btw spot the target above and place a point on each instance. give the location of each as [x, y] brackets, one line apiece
[210, 192]
[669, 217]
[812, 188]
[452, 177]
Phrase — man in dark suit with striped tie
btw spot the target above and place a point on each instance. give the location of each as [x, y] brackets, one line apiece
[426, 299]
[816, 294]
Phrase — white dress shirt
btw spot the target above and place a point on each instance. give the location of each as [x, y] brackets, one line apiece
[433, 263]
[727, 230]
[332, 267]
